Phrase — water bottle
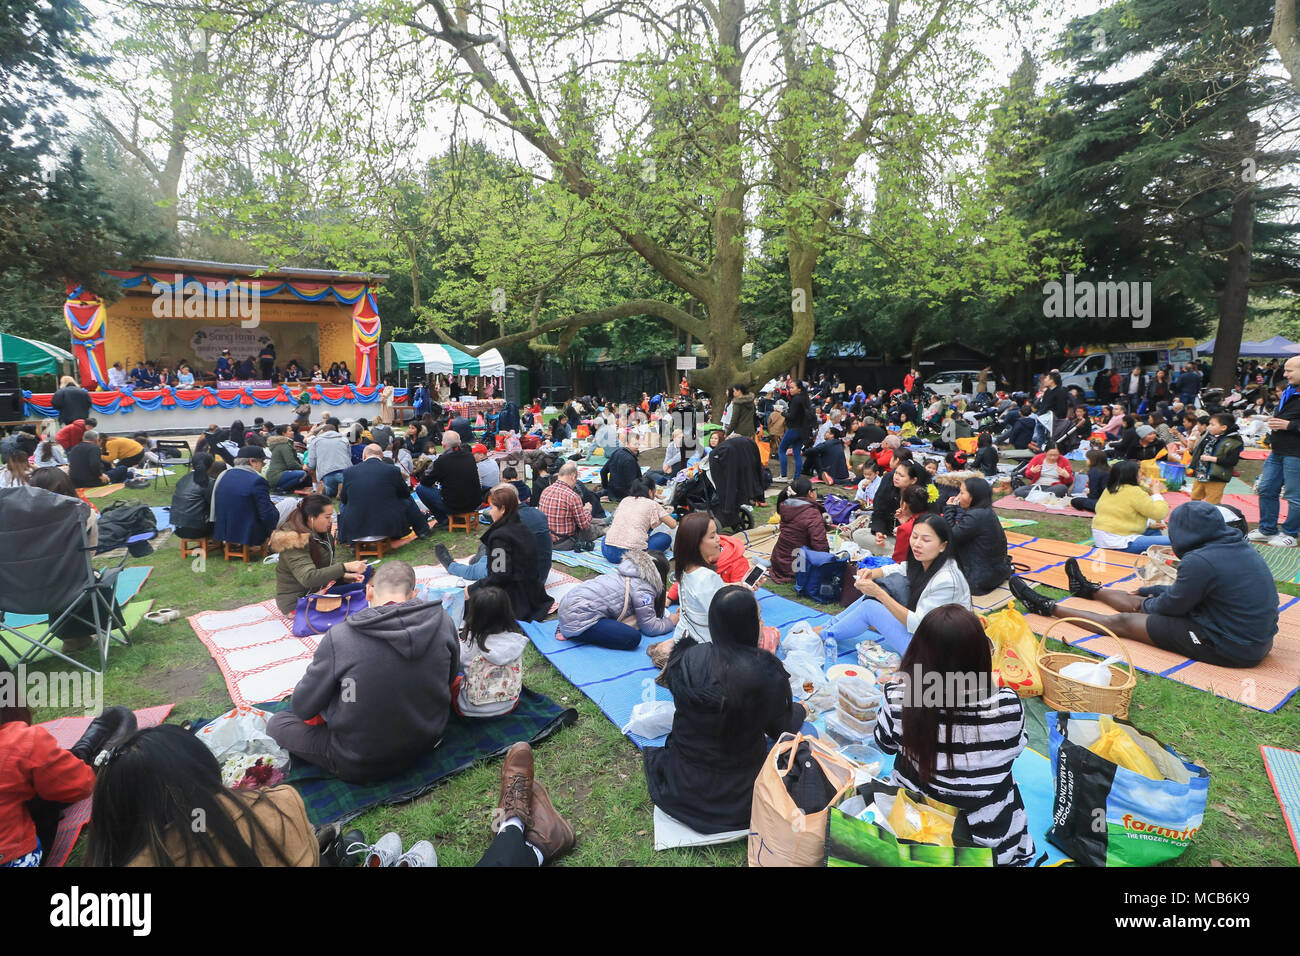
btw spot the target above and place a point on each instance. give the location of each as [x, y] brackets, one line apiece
[832, 651]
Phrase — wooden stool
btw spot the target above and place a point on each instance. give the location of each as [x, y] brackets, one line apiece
[372, 548]
[466, 522]
[190, 545]
[245, 552]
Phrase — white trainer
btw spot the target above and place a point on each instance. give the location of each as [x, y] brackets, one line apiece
[1258, 535]
[1281, 541]
[422, 854]
[386, 852]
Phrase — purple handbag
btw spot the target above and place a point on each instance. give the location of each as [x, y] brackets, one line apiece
[317, 613]
[840, 509]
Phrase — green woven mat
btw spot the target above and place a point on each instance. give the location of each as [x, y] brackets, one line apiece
[1284, 563]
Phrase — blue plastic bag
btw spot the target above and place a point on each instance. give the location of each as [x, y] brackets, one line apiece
[820, 575]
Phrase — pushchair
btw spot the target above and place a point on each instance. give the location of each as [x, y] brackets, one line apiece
[697, 493]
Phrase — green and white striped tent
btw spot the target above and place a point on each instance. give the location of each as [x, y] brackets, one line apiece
[33, 358]
[443, 359]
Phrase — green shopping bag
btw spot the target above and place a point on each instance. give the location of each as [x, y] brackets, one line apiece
[854, 842]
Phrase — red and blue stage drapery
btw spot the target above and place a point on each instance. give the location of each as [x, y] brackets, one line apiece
[84, 314]
[126, 400]
[366, 326]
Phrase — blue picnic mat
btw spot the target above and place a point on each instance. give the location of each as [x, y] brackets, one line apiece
[616, 681]
[1283, 768]
[466, 741]
[129, 583]
[163, 516]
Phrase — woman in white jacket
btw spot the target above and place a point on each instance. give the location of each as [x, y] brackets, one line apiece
[897, 597]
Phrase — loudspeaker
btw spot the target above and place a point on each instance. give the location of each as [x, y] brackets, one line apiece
[517, 385]
[8, 374]
[415, 374]
[11, 405]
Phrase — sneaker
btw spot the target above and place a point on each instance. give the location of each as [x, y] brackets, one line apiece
[1080, 586]
[442, 554]
[516, 786]
[1281, 540]
[1258, 535]
[550, 832]
[384, 853]
[1031, 599]
[422, 854]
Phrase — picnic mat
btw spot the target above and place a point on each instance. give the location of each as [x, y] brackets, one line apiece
[66, 732]
[1254, 454]
[103, 490]
[1266, 686]
[616, 681]
[258, 655]
[1283, 768]
[1009, 523]
[1248, 505]
[129, 583]
[465, 741]
[1045, 560]
[987, 603]
[1283, 563]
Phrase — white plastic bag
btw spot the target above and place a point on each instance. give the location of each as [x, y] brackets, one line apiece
[1040, 497]
[801, 639]
[805, 672]
[1089, 672]
[651, 718]
[242, 731]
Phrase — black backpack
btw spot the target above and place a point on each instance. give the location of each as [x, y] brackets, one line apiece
[121, 520]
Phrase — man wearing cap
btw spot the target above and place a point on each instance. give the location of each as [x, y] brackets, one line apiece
[242, 511]
[489, 472]
[378, 502]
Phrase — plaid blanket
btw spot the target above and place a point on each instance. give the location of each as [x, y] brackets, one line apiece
[466, 741]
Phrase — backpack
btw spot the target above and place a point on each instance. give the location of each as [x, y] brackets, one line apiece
[840, 509]
[121, 520]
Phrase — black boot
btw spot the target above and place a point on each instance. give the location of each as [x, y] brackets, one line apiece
[1031, 599]
[1079, 585]
[337, 853]
[442, 554]
[109, 729]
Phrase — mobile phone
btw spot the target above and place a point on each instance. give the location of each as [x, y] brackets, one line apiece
[755, 575]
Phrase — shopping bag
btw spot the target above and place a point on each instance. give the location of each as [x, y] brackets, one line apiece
[1108, 815]
[1157, 565]
[317, 613]
[840, 509]
[853, 841]
[1015, 652]
[780, 832]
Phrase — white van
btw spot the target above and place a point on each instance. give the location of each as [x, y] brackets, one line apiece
[1080, 371]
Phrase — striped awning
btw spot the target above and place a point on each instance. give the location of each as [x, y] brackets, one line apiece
[444, 360]
[33, 358]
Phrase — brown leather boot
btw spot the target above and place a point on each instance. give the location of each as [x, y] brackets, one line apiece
[517, 788]
[550, 833]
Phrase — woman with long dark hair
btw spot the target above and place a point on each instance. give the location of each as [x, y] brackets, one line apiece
[978, 541]
[1127, 513]
[959, 748]
[730, 698]
[897, 597]
[308, 554]
[878, 538]
[153, 788]
[512, 559]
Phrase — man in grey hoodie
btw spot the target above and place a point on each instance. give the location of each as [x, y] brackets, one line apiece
[381, 681]
[329, 455]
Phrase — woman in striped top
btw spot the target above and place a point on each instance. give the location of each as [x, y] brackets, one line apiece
[956, 733]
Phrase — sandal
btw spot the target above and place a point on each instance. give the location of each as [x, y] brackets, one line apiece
[162, 615]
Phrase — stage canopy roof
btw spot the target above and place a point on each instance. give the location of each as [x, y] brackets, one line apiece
[444, 359]
[33, 358]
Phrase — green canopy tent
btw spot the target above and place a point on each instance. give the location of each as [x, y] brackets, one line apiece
[33, 358]
[443, 359]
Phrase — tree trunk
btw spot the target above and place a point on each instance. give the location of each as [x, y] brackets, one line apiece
[1236, 288]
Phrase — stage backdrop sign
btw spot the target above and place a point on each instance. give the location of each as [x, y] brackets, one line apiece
[173, 340]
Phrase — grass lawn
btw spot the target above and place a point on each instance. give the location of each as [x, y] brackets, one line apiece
[595, 774]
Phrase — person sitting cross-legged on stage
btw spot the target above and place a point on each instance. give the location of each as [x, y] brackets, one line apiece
[1221, 608]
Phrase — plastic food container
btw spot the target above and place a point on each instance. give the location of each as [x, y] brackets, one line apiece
[861, 728]
[858, 698]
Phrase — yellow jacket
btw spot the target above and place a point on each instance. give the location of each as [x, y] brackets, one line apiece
[115, 449]
[1127, 510]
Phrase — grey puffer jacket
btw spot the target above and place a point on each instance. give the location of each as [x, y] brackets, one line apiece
[629, 590]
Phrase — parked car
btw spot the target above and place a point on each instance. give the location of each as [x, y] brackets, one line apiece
[948, 384]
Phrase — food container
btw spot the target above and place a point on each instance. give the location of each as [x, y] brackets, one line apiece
[858, 698]
[862, 728]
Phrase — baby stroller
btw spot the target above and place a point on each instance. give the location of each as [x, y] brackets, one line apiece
[697, 493]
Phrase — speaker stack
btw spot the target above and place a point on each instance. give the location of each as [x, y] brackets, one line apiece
[11, 396]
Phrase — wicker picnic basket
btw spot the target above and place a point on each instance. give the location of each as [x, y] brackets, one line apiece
[1066, 694]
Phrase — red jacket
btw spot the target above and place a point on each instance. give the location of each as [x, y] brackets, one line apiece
[70, 435]
[33, 765]
[1035, 470]
[801, 525]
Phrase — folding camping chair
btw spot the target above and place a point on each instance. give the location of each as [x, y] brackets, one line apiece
[172, 451]
[46, 569]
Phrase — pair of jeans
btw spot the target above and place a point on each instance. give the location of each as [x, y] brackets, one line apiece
[432, 499]
[289, 480]
[475, 570]
[1143, 541]
[659, 541]
[849, 626]
[332, 482]
[608, 632]
[791, 439]
[1279, 471]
